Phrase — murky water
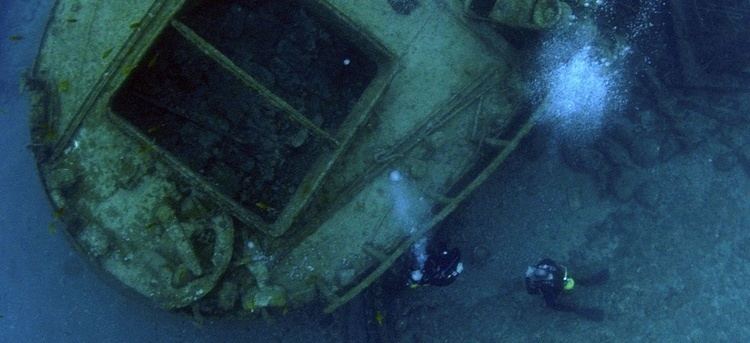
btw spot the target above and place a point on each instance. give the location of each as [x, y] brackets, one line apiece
[638, 165]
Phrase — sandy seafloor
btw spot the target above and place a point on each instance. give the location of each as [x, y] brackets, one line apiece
[673, 232]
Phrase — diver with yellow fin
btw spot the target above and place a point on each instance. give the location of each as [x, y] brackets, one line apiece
[550, 280]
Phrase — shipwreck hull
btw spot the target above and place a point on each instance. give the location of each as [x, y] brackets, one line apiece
[205, 165]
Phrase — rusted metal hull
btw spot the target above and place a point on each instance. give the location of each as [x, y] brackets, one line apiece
[138, 186]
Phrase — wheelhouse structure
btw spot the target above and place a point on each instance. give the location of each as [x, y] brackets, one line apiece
[235, 156]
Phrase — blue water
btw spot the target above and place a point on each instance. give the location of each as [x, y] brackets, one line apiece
[609, 180]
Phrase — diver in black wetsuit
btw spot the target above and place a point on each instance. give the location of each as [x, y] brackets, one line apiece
[550, 279]
[440, 269]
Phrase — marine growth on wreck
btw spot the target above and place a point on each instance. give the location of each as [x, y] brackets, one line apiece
[233, 157]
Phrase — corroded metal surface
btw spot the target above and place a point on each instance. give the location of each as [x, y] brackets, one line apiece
[151, 191]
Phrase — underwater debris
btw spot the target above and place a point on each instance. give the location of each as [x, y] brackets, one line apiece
[526, 14]
[106, 53]
[379, 317]
[63, 86]
[58, 213]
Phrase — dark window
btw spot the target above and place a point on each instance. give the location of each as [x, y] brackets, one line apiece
[238, 138]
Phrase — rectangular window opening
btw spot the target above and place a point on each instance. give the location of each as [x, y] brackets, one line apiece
[227, 133]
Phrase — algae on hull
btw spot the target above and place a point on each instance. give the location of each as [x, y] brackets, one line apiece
[166, 164]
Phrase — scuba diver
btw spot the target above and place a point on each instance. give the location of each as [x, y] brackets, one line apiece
[439, 268]
[550, 280]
